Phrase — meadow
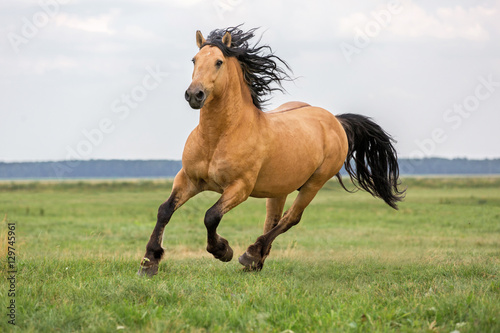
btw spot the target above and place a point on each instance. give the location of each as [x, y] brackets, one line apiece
[352, 265]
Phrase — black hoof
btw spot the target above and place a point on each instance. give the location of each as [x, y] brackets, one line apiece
[221, 250]
[228, 256]
[148, 268]
[250, 262]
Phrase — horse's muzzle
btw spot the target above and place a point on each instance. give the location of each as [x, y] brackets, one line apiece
[195, 96]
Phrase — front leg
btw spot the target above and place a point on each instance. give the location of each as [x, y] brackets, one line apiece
[182, 190]
[232, 196]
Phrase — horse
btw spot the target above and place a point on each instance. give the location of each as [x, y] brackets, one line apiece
[240, 151]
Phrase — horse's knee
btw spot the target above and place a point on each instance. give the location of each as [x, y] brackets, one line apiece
[166, 210]
[212, 218]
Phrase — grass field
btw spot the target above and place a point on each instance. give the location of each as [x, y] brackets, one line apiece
[352, 264]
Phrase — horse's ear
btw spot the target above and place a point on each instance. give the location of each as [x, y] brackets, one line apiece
[226, 39]
[200, 40]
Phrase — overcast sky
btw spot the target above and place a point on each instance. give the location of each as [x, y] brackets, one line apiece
[106, 79]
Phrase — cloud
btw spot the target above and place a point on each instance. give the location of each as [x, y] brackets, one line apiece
[60, 62]
[181, 3]
[98, 24]
[444, 23]
[90, 53]
[413, 21]
[139, 33]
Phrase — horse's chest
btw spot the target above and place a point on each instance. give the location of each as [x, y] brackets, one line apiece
[216, 169]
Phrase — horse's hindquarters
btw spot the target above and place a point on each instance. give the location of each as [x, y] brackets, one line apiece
[300, 143]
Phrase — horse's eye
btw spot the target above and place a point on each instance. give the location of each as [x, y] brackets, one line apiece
[218, 63]
[193, 60]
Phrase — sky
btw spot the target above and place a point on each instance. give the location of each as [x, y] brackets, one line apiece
[88, 79]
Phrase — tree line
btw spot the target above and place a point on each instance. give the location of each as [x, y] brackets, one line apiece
[169, 168]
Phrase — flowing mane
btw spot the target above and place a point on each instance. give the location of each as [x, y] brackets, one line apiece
[258, 62]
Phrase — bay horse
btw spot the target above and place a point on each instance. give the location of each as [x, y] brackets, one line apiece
[240, 151]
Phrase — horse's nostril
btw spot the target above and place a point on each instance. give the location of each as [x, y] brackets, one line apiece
[200, 95]
[186, 96]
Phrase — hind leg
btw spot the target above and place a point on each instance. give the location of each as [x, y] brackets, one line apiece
[256, 254]
[274, 208]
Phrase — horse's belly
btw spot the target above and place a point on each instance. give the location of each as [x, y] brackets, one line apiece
[275, 191]
[282, 176]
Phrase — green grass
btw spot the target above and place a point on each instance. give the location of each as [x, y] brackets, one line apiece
[352, 264]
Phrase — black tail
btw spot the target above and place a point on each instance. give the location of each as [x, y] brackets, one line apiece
[376, 167]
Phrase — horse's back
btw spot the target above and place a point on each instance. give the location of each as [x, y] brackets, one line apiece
[304, 117]
[289, 106]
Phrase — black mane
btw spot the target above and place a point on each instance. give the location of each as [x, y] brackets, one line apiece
[258, 62]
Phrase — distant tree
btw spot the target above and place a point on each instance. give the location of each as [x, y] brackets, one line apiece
[168, 168]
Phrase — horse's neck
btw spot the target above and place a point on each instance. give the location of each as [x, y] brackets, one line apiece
[219, 119]
[229, 111]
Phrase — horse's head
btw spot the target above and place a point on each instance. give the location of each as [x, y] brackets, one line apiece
[210, 69]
